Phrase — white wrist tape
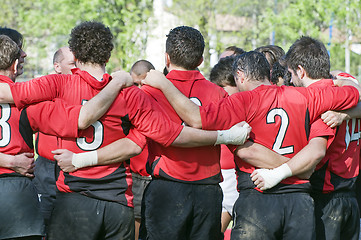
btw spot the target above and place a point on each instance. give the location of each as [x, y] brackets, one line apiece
[274, 176]
[85, 159]
[236, 135]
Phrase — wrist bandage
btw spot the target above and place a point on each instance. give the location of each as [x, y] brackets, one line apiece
[85, 159]
[236, 135]
[274, 176]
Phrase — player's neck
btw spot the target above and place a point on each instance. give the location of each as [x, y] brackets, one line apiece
[96, 70]
[254, 84]
[308, 81]
[8, 74]
[175, 67]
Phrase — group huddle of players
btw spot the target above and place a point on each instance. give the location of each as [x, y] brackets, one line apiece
[295, 174]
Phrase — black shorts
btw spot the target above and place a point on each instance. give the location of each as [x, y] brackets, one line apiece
[44, 182]
[139, 185]
[273, 216]
[20, 214]
[80, 217]
[337, 216]
[174, 210]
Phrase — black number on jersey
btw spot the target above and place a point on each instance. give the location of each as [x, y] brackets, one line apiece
[271, 118]
[98, 137]
[5, 126]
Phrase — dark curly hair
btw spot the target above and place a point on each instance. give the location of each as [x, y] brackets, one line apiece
[91, 42]
[185, 46]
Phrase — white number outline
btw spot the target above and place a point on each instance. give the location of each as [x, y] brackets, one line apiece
[271, 118]
[98, 137]
[353, 136]
[5, 126]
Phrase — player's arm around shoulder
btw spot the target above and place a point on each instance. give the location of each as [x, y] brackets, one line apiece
[185, 108]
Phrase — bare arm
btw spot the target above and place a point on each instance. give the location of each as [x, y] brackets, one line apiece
[5, 93]
[334, 119]
[302, 165]
[96, 107]
[22, 163]
[192, 137]
[259, 156]
[125, 148]
[118, 151]
[185, 108]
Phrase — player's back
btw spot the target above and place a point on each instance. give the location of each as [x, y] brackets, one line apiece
[280, 118]
[11, 140]
[198, 165]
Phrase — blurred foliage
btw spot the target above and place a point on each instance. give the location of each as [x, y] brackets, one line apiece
[247, 24]
[46, 26]
[280, 22]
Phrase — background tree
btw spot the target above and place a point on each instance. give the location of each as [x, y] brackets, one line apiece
[46, 25]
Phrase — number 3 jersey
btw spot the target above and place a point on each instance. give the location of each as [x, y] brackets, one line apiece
[280, 118]
[338, 170]
[131, 109]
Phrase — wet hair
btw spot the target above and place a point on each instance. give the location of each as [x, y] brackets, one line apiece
[91, 42]
[253, 64]
[272, 53]
[9, 52]
[312, 55]
[222, 74]
[13, 34]
[185, 46]
[141, 66]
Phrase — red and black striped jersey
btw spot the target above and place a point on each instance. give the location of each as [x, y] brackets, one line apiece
[197, 165]
[280, 118]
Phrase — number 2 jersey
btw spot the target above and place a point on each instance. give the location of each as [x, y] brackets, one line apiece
[338, 170]
[131, 109]
[280, 118]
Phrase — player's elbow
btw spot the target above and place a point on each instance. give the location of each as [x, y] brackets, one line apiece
[135, 150]
[83, 123]
[194, 123]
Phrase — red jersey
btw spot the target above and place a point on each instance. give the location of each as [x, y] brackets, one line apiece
[339, 169]
[139, 162]
[131, 109]
[11, 141]
[197, 165]
[227, 158]
[280, 118]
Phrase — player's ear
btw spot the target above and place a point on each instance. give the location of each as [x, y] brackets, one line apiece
[301, 73]
[167, 60]
[240, 76]
[57, 68]
[14, 67]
